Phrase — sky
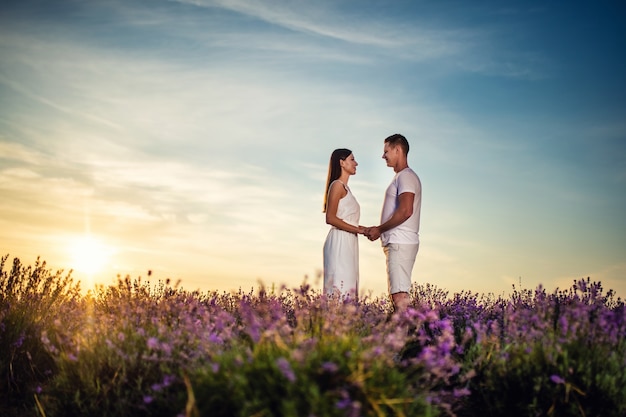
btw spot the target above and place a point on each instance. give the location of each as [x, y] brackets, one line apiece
[191, 138]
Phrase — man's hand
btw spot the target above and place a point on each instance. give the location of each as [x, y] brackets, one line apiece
[373, 233]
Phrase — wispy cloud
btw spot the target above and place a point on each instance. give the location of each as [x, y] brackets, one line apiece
[324, 20]
[29, 93]
[369, 37]
[301, 16]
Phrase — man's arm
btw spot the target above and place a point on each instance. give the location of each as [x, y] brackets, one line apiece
[402, 213]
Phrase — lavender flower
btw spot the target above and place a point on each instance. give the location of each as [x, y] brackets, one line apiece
[330, 367]
[18, 343]
[153, 343]
[285, 368]
[557, 379]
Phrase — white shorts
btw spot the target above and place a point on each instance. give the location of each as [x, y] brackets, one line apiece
[400, 261]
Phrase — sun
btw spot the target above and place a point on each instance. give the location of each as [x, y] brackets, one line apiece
[89, 255]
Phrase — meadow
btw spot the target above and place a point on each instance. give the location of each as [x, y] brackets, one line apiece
[143, 349]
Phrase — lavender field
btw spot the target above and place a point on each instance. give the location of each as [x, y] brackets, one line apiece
[145, 349]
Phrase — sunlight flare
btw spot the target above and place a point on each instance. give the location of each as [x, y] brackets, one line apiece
[89, 255]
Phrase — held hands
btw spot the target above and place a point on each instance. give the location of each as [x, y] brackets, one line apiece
[372, 233]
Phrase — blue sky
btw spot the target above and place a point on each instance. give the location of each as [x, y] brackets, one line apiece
[191, 138]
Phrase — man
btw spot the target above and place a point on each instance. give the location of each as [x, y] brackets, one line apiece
[400, 221]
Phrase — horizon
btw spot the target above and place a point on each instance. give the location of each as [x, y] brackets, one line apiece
[305, 284]
[191, 138]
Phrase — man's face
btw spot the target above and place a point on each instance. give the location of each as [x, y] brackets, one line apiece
[390, 154]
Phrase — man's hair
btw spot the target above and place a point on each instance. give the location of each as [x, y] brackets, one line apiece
[398, 140]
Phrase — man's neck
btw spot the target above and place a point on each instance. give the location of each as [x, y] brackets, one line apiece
[399, 167]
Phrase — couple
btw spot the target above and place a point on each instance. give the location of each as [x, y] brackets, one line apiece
[398, 231]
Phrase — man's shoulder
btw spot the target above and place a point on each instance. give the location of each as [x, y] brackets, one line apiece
[407, 173]
[408, 181]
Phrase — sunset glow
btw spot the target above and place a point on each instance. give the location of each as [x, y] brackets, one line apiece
[89, 255]
[194, 136]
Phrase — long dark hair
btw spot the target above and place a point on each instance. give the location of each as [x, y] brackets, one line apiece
[334, 169]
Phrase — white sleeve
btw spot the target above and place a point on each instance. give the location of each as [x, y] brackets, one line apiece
[408, 183]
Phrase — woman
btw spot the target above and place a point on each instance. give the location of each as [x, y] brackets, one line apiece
[341, 249]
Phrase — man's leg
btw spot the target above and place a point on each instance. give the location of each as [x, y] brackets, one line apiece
[401, 301]
[400, 261]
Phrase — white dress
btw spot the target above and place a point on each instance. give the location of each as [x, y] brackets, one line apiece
[341, 251]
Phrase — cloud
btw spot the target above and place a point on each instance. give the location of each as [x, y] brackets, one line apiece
[298, 16]
[29, 93]
[15, 151]
[363, 37]
[324, 21]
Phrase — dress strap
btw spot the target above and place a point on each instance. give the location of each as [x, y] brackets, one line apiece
[344, 185]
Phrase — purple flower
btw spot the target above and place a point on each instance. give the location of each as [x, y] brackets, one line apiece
[285, 369]
[153, 343]
[330, 367]
[166, 348]
[147, 399]
[168, 380]
[215, 338]
[461, 392]
[445, 347]
[344, 403]
[351, 408]
[557, 379]
[18, 343]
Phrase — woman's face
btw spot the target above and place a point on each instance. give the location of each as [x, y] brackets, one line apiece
[349, 164]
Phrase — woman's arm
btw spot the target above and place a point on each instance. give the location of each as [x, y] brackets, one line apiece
[336, 193]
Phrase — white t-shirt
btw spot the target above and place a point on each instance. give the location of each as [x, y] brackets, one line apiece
[405, 181]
